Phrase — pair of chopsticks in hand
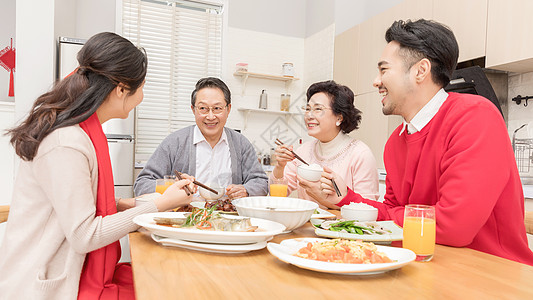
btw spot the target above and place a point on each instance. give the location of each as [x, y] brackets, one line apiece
[337, 191]
[188, 190]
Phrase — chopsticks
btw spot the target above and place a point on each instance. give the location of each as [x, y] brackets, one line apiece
[187, 189]
[337, 191]
[178, 174]
[279, 143]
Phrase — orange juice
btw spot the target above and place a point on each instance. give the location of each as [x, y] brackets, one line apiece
[419, 235]
[162, 188]
[278, 190]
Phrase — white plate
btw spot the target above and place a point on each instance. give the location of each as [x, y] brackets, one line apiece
[396, 235]
[201, 204]
[322, 214]
[267, 229]
[213, 248]
[287, 248]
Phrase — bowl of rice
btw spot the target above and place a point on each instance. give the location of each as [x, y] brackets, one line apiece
[359, 212]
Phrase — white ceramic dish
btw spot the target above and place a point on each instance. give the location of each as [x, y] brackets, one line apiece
[291, 212]
[287, 248]
[311, 173]
[396, 235]
[365, 214]
[267, 229]
[212, 248]
[322, 214]
[208, 195]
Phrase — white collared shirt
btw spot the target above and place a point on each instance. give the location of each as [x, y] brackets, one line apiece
[422, 118]
[213, 165]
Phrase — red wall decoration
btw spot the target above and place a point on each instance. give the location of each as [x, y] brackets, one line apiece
[7, 60]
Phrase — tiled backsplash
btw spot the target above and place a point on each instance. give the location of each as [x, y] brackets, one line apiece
[519, 115]
[520, 84]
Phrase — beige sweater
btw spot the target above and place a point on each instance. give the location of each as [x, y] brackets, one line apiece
[52, 222]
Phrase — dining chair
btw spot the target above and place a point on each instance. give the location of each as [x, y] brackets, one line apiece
[528, 220]
[4, 211]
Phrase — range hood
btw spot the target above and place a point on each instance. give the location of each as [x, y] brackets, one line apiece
[473, 80]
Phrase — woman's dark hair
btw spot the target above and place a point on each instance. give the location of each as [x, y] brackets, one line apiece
[105, 60]
[426, 39]
[341, 100]
[211, 82]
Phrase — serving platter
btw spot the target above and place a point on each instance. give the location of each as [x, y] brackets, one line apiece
[285, 251]
[395, 235]
[212, 248]
[267, 229]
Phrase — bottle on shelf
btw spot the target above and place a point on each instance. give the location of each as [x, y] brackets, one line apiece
[263, 100]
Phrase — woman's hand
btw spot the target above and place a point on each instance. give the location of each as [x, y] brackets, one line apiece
[283, 156]
[175, 195]
[327, 186]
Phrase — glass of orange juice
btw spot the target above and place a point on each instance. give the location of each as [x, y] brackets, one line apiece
[278, 187]
[419, 230]
[162, 184]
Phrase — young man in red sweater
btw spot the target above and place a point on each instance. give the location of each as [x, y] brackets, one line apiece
[452, 150]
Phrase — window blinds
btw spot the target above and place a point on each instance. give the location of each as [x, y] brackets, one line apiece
[183, 41]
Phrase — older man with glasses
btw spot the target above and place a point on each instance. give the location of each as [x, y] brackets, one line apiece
[209, 151]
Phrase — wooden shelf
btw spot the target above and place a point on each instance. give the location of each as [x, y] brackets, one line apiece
[264, 76]
[245, 75]
[247, 111]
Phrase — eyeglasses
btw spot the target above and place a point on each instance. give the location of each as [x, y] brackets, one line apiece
[204, 110]
[316, 111]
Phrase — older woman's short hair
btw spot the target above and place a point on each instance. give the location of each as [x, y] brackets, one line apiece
[341, 99]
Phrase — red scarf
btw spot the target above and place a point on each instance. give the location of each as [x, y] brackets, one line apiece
[102, 277]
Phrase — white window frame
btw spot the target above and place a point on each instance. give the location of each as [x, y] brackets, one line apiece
[151, 123]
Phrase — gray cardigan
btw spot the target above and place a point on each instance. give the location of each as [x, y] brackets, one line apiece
[177, 152]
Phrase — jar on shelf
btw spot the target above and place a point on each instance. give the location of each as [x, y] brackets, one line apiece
[287, 70]
[241, 67]
[285, 102]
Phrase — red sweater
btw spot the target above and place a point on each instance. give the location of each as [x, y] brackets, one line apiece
[462, 163]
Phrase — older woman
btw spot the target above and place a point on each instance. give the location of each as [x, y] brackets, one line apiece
[329, 116]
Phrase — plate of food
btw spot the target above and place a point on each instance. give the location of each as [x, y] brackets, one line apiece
[212, 248]
[208, 226]
[379, 232]
[322, 214]
[351, 257]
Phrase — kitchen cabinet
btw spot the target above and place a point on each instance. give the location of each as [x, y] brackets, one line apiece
[469, 24]
[345, 58]
[375, 127]
[372, 38]
[509, 42]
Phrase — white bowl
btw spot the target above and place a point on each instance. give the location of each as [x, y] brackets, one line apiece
[207, 195]
[291, 212]
[361, 214]
[312, 172]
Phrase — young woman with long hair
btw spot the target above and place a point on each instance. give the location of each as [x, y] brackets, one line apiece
[62, 235]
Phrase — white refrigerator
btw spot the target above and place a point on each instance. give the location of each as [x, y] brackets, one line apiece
[120, 133]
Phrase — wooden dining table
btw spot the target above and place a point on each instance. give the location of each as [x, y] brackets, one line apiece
[162, 272]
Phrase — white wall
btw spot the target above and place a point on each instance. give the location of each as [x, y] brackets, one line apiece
[7, 23]
[349, 13]
[282, 17]
[264, 53]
